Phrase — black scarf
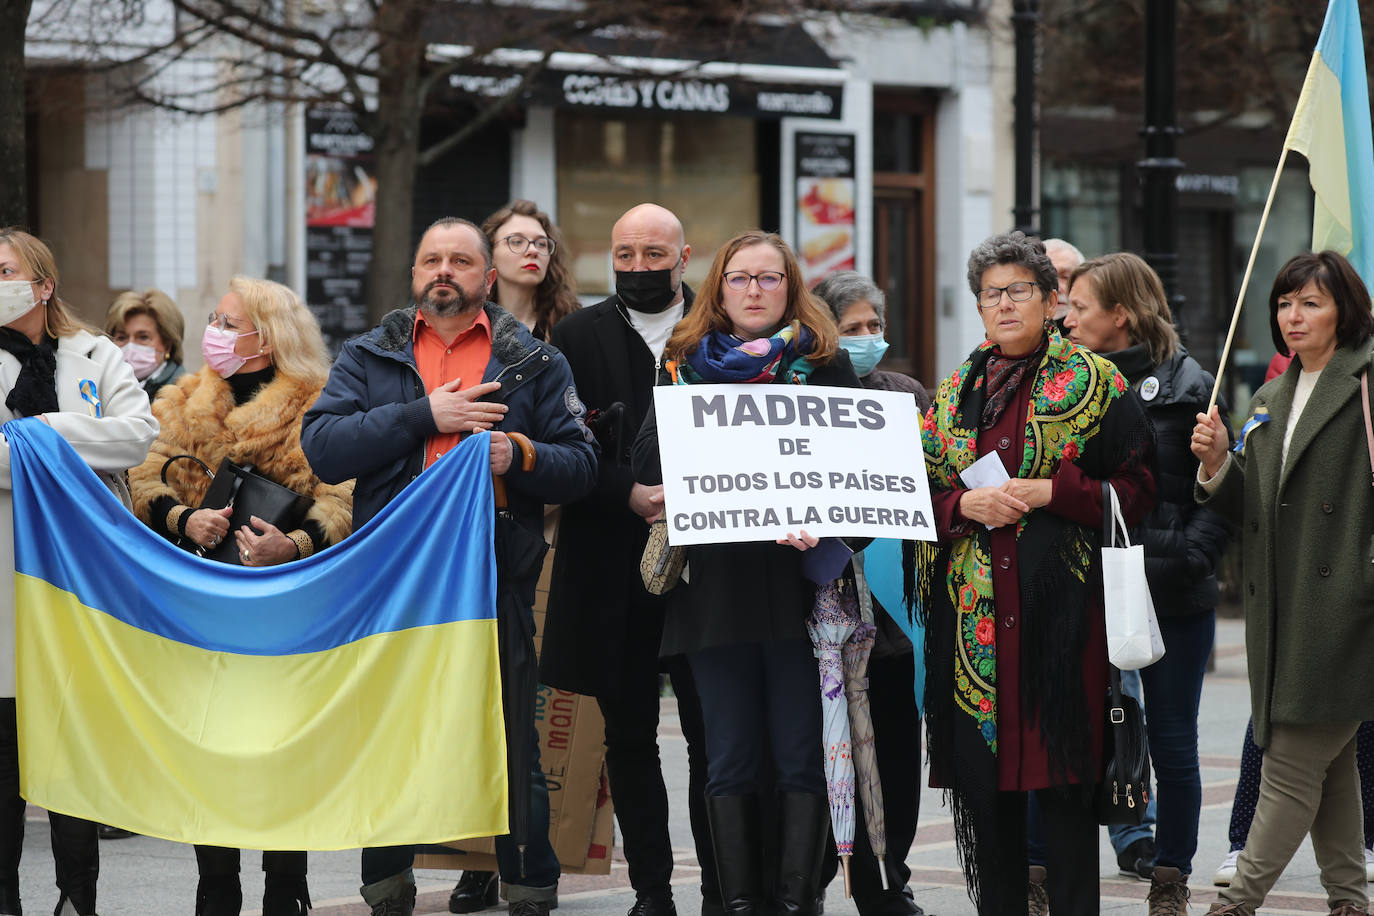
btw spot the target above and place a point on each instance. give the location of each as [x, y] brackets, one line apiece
[35, 390]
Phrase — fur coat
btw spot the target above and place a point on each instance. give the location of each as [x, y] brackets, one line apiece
[199, 418]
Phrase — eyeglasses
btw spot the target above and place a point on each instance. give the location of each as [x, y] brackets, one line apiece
[990, 297]
[768, 281]
[519, 244]
[216, 320]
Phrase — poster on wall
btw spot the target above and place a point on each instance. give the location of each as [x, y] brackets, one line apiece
[825, 204]
[340, 205]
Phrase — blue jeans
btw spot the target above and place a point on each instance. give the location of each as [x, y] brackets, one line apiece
[1173, 690]
[761, 705]
[539, 881]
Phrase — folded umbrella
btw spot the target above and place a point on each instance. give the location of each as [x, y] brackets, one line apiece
[855, 654]
[832, 620]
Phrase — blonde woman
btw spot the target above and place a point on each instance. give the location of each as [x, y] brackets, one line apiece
[148, 328]
[54, 367]
[265, 364]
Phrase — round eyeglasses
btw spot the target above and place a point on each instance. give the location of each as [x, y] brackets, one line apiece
[519, 244]
[990, 297]
[768, 281]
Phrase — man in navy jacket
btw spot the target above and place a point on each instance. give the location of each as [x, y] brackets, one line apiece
[402, 394]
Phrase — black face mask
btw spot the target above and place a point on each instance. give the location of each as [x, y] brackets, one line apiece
[645, 290]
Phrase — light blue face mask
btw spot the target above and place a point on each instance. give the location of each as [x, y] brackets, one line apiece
[865, 350]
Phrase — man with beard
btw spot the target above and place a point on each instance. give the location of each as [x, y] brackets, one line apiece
[602, 630]
[398, 398]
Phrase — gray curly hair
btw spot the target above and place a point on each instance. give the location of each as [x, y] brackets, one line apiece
[843, 289]
[1012, 248]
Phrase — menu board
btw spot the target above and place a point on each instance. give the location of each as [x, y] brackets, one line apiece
[340, 207]
[825, 204]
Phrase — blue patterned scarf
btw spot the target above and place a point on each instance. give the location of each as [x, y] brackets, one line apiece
[724, 358]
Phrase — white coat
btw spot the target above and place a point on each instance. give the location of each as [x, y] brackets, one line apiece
[111, 444]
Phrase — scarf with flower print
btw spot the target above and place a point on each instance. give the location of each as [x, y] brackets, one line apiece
[723, 358]
[1070, 418]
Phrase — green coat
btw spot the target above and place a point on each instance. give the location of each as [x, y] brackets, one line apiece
[1308, 550]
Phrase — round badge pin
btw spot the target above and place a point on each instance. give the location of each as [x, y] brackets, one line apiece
[1149, 388]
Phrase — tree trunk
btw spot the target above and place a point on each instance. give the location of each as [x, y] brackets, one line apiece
[14, 187]
[397, 135]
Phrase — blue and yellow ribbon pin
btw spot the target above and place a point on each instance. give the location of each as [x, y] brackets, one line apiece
[1257, 419]
[90, 395]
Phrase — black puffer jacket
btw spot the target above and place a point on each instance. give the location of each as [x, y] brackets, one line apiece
[1183, 541]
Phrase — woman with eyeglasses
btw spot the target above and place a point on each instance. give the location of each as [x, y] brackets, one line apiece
[265, 363]
[533, 280]
[1016, 653]
[740, 614]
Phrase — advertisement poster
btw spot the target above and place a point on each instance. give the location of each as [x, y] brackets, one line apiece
[340, 203]
[825, 204]
[759, 462]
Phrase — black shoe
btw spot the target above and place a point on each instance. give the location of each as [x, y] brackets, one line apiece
[1137, 860]
[106, 832]
[653, 905]
[219, 895]
[530, 907]
[285, 895]
[403, 905]
[476, 890]
[892, 902]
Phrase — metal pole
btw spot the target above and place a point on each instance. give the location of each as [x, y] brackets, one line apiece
[1025, 21]
[1161, 165]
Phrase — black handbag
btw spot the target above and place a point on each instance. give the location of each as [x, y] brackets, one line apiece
[1125, 789]
[251, 494]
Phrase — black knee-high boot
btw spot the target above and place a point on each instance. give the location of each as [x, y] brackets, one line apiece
[286, 892]
[802, 821]
[735, 835]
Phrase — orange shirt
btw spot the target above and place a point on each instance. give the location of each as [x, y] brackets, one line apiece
[464, 357]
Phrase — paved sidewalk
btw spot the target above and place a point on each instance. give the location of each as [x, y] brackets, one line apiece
[153, 877]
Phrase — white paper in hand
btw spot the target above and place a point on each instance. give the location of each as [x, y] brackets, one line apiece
[987, 471]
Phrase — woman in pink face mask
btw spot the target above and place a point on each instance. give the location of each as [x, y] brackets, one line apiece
[148, 328]
[265, 363]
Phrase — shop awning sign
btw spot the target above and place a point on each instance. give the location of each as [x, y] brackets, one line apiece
[757, 462]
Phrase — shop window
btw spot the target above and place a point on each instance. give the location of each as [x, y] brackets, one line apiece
[1082, 204]
[703, 169]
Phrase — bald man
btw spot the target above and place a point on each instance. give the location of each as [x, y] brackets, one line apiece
[602, 630]
[1065, 257]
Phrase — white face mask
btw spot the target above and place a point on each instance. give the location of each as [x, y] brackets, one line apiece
[16, 300]
[142, 358]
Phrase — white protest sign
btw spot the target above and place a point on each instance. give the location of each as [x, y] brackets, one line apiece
[755, 462]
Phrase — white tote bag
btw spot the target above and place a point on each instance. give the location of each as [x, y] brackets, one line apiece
[1133, 639]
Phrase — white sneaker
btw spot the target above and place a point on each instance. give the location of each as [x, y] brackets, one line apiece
[1226, 872]
[1368, 864]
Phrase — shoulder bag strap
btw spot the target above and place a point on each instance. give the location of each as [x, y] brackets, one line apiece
[1368, 427]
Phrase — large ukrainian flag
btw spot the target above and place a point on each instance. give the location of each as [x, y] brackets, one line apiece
[1331, 127]
[348, 699]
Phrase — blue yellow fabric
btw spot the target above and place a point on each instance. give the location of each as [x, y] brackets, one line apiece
[1331, 127]
[348, 699]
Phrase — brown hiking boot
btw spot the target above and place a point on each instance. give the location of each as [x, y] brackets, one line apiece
[1037, 898]
[1231, 909]
[1168, 892]
[1349, 909]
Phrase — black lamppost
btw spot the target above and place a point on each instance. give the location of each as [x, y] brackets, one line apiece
[1161, 165]
[1025, 21]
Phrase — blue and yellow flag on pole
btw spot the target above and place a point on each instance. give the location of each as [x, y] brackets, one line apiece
[1331, 128]
[348, 699]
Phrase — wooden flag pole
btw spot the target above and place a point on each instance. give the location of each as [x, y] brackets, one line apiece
[1245, 281]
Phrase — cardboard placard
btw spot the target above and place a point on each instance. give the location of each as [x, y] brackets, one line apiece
[572, 754]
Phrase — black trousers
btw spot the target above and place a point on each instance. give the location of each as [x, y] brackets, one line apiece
[633, 763]
[897, 744]
[1071, 832]
[215, 861]
[75, 842]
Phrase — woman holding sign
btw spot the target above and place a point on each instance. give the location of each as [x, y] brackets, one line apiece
[1298, 485]
[1016, 654]
[740, 616]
